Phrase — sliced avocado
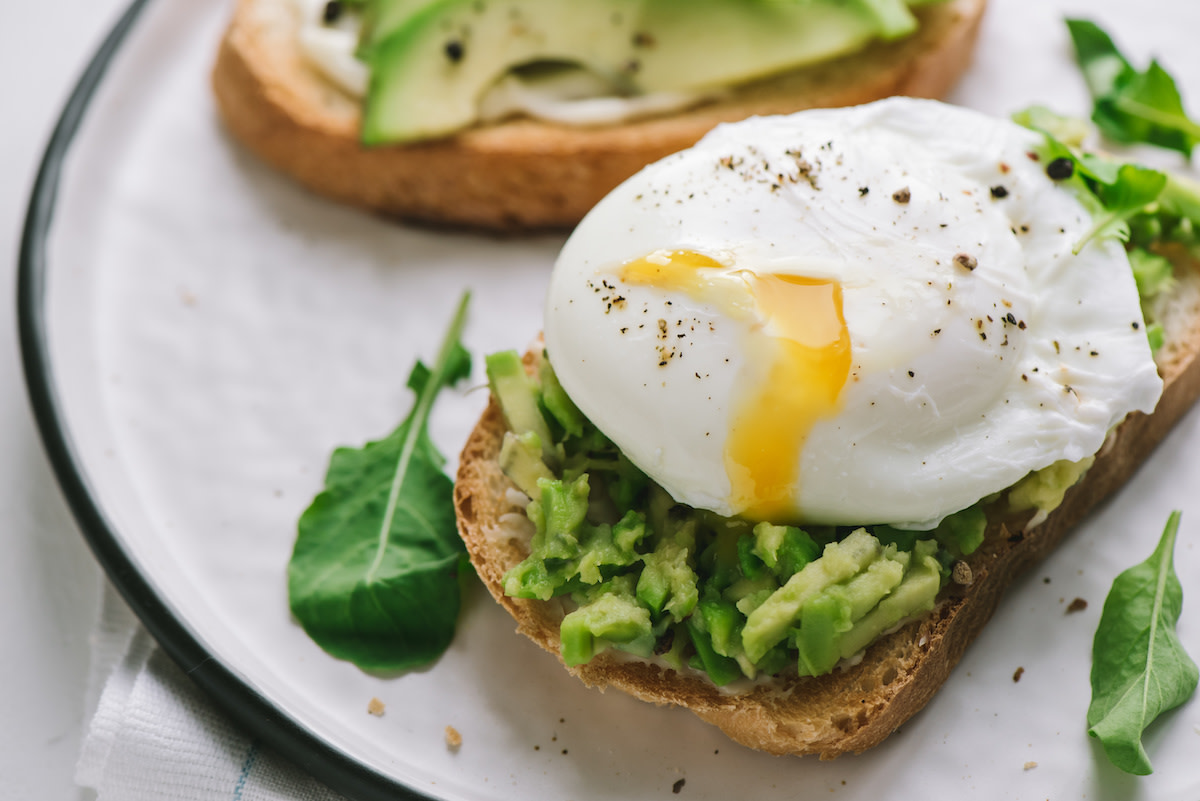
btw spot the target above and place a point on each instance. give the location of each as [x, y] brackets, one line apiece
[521, 461]
[916, 593]
[381, 18]
[558, 403]
[831, 614]
[770, 622]
[431, 70]
[518, 397]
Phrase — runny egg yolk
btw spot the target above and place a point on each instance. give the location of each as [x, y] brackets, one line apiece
[798, 334]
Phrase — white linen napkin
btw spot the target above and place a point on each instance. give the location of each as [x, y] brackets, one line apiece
[154, 736]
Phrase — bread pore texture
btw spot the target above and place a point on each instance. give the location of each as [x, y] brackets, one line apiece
[856, 706]
[523, 174]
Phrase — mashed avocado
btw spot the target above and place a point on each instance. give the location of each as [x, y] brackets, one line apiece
[655, 578]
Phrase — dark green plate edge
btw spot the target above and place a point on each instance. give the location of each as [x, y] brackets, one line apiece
[255, 714]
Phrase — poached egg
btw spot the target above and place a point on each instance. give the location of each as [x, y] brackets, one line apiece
[848, 316]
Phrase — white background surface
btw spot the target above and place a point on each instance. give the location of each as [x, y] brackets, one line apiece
[48, 581]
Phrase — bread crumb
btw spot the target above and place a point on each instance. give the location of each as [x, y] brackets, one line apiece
[1017, 674]
[962, 574]
[376, 707]
[453, 738]
[1030, 765]
[1078, 605]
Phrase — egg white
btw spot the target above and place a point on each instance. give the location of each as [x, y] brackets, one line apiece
[962, 380]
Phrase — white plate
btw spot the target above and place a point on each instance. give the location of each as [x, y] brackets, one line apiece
[202, 334]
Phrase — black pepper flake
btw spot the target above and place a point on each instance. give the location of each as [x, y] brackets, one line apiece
[999, 191]
[455, 50]
[1061, 168]
[966, 261]
[1010, 318]
[332, 12]
[911, 374]
[643, 39]
[1136, 325]
[902, 195]
[677, 786]
[863, 190]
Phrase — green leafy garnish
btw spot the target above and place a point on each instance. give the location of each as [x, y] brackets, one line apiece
[373, 577]
[1131, 189]
[1131, 106]
[1112, 191]
[1139, 667]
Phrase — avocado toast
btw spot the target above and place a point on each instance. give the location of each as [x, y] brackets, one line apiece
[522, 173]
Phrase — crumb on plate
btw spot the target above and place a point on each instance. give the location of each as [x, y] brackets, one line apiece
[453, 738]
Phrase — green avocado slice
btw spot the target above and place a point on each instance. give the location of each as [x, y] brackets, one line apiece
[438, 58]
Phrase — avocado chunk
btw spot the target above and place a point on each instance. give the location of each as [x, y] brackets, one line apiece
[557, 512]
[614, 617]
[567, 552]
[784, 549]
[667, 583]
[721, 669]
[432, 62]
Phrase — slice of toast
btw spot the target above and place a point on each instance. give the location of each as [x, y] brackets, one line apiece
[524, 174]
[849, 710]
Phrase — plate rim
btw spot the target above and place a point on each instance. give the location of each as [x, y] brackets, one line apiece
[249, 709]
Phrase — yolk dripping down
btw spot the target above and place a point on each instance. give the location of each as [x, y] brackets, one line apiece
[798, 327]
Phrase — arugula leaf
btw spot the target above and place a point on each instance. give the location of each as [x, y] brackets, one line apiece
[1131, 190]
[1131, 106]
[373, 576]
[1139, 667]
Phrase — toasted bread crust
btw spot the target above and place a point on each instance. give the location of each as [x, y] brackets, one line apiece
[523, 174]
[854, 709]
